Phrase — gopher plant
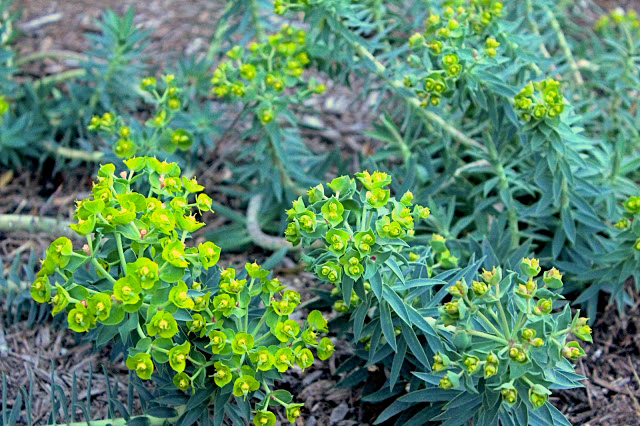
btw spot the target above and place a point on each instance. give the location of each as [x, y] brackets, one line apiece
[223, 337]
[497, 344]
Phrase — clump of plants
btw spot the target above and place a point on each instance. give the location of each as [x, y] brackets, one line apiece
[224, 331]
[496, 339]
[515, 125]
[507, 343]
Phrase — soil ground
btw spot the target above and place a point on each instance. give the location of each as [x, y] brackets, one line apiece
[612, 364]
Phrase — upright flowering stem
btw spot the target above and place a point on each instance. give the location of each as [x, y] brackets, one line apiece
[562, 41]
[255, 18]
[123, 261]
[503, 317]
[428, 115]
[488, 336]
[103, 271]
[489, 323]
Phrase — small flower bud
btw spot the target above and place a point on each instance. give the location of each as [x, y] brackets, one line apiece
[543, 307]
[538, 395]
[458, 289]
[509, 395]
[552, 278]
[530, 267]
[492, 277]
[528, 334]
[479, 289]
[445, 383]
[572, 351]
[490, 370]
[86, 249]
[416, 40]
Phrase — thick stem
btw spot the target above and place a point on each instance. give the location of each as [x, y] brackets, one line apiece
[428, 115]
[49, 225]
[490, 324]
[222, 26]
[148, 420]
[562, 41]
[73, 154]
[61, 54]
[100, 269]
[253, 228]
[60, 77]
[123, 261]
[534, 28]
[255, 19]
[488, 336]
[503, 317]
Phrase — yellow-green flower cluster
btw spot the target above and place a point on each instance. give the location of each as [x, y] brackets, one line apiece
[630, 223]
[167, 100]
[502, 329]
[540, 100]
[444, 34]
[357, 222]
[618, 17]
[137, 248]
[4, 107]
[280, 7]
[263, 72]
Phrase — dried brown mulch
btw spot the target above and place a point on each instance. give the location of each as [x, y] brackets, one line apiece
[611, 395]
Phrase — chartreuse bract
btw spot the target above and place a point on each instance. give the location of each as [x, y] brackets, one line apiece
[159, 132]
[443, 52]
[495, 342]
[266, 76]
[221, 336]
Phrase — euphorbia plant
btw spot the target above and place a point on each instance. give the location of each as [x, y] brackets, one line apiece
[497, 338]
[265, 75]
[159, 132]
[506, 347]
[222, 333]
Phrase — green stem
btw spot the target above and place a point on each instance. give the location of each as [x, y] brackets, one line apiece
[261, 338]
[535, 29]
[527, 381]
[63, 54]
[221, 27]
[123, 261]
[140, 332]
[159, 349]
[504, 184]
[428, 115]
[100, 269]
[562, 41]
[490, 324]
[147, 420]
[255, 19]
[16, 222]
[261, 239]
[259, 325]
[503, 317]
[561, 332]
[73, 154]
[488, 336]
[60, 77]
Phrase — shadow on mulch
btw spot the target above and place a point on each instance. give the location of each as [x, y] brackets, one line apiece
[611, 395]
